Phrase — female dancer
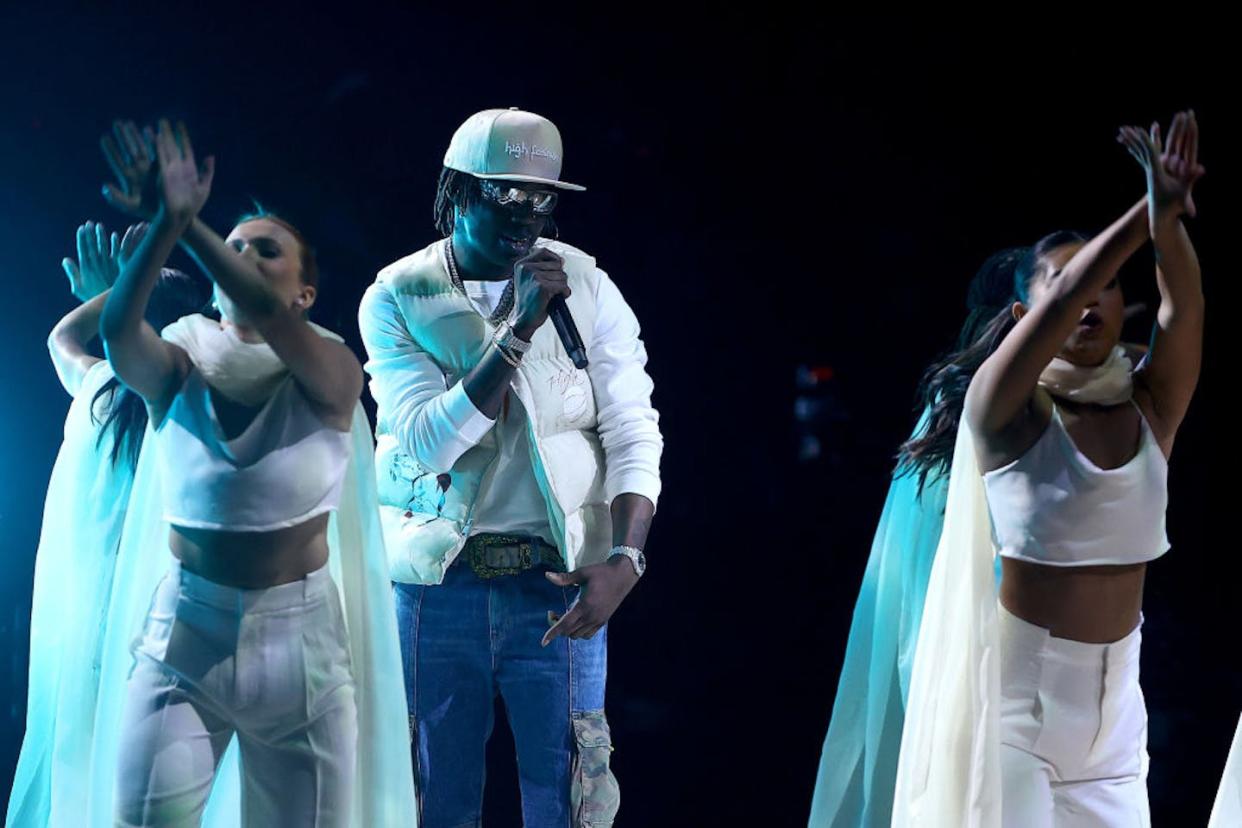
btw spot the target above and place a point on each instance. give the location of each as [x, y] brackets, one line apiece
[87, 498]
[1030, 713]
[254, 423]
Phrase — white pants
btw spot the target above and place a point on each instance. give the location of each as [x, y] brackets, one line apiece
[269, 665]
[1073, 731]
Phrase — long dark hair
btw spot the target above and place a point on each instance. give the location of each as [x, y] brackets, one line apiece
[1005, 278]
[176, 294]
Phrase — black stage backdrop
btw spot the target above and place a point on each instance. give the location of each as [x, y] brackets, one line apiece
[769, 191]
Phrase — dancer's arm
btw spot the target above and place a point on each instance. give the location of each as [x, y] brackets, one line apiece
[1166, 382]
[100, 259]
[327, 371]
[1001, 391]
[90, 277]
[67, 342]
[149, 365]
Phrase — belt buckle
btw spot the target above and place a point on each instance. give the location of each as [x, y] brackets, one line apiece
[489, 561]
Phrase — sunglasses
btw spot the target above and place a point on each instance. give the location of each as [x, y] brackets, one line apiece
[541, 202]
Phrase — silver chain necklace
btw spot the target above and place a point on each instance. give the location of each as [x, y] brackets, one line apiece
[503, 307]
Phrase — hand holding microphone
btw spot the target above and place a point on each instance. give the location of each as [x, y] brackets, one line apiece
[541, 287]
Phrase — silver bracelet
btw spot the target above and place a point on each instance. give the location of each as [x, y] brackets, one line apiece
[513, 361]
[507, 338]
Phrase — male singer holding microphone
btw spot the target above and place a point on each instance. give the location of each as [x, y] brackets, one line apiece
[516, 486]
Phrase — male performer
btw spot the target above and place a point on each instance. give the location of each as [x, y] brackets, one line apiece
[516, 490]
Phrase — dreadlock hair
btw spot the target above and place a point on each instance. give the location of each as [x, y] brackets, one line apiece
[1006, 277]
[176, 294]
[455, 191]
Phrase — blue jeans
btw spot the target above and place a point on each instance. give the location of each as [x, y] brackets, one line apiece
[468, 640]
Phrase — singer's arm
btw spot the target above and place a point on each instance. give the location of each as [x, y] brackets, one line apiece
[629, 431]
[537, 278]
[628, 424]
[488, 382]
[432, 423]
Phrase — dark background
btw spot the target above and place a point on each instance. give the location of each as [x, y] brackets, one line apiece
[769, 191]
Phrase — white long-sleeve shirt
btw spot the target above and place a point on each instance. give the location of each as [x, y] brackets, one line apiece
[434, 422]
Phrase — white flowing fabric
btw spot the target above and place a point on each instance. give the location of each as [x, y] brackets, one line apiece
[87, 497]
[858, 763]
[948, 772]
[1227, 812]
[384, 782]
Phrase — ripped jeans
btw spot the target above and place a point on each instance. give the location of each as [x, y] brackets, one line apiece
[468, 640]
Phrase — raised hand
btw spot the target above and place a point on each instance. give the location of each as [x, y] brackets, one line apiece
[184, 188]
[131, 155]
[134, 235]
[1172, 170]
[100, 258]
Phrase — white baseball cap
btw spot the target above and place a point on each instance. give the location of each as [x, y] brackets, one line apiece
[509, 144]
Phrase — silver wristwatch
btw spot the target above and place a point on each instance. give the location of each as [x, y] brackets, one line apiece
[636, 556]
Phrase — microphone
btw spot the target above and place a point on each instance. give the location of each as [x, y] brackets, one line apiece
[563, 321]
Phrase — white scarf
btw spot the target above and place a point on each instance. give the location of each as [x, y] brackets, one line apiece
[1109, 383]
[245, 372]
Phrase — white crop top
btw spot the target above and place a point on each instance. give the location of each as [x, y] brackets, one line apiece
[1054, 506]
[285, 468]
